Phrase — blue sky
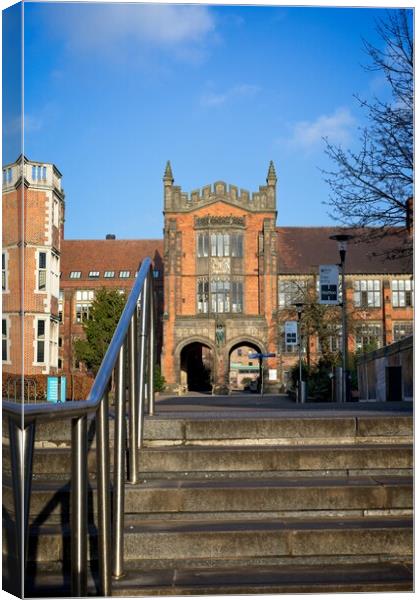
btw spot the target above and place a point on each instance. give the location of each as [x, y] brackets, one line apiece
[113, 91]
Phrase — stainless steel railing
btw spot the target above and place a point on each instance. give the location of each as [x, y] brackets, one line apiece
[130, 353]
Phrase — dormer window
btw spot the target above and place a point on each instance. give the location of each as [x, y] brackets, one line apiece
[75, 274]
[124, 274]
[93, 274]
[109, 274]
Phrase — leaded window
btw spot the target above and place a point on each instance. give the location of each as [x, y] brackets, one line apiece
[402, 292]
[369, 337]
[4, 339]
[40, 341]
[221, 295]
[291, 291]
[402, 329]
[42, 271]
[219, 244]
[367, 293]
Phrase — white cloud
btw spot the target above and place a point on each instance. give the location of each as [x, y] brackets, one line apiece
[337, 127]
[108, 27]
[214, 99]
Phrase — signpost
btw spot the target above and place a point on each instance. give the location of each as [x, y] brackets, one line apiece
[328, 284]
[261, 356]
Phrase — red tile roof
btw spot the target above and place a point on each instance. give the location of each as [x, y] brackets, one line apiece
[107, 255]
[302, 249]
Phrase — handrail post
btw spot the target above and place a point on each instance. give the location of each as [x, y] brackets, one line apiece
[142, 360]
[151, 339]
[21, 441]
[119, 468]
[104, 496]
[79, 504]
[133, 407]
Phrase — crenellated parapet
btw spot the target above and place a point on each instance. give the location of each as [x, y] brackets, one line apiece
[176, 200]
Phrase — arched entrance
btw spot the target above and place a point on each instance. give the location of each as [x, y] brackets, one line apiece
[196, 367]
[244, 372]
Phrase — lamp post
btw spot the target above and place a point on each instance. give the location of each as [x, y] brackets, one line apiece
[299, 310]
[342, 239]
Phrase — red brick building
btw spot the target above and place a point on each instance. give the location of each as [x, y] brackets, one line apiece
[33, 217]
[226, 279]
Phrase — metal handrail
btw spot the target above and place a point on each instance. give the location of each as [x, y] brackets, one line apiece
[134, 340]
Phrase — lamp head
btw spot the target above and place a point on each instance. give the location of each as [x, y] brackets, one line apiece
[299, 308]
[342, 239]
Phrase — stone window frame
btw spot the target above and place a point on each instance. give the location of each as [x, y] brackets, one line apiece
[366, 332]
[219, 243]
[5, 271]
[367, 293]
[401, 325]
[40, 341]
[5, 340]
[287, 296]
[401, 291]
[231, 289]
[41, 271]
[84, 299]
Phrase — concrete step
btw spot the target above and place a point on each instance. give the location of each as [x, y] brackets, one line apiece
[288, 460]
[222, 461]
[334, 578]
[235, 499]
[213, 542]
[219, 429]
[299, 429]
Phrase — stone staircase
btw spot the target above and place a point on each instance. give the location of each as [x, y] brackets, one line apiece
[284, 504]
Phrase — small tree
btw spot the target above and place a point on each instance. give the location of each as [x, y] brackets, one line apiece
[317, 320]
[159, 380]
[104, 315]
[371, 185]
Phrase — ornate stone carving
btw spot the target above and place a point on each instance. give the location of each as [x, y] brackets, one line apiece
[220, 266]
[219, 221]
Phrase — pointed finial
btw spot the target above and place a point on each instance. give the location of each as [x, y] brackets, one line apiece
[271, 175]
[168, 177]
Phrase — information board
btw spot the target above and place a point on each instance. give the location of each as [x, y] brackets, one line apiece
[328, 284]
[290, 332]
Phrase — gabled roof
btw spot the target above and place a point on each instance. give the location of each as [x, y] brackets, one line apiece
[302, 249]
[107, 255]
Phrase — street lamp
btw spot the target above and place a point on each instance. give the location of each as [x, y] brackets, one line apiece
[299, 310]
[342, 239]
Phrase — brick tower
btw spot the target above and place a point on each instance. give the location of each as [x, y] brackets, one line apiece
[33, 216]
[220, 256]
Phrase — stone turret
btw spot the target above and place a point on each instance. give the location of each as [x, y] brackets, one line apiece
[168, 177]
[271, 175]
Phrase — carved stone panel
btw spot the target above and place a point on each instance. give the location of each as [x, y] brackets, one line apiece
[220, 266]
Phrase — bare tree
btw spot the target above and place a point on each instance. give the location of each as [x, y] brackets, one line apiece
[371, 186]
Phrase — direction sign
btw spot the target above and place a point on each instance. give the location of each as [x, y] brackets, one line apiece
[328, 284]
[261, 355]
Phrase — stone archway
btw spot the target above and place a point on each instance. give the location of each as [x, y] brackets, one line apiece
[244, 372]
[196, 367]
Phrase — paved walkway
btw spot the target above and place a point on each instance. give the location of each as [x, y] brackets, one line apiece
[275, 405]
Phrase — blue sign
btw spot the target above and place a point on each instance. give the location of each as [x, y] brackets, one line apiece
[260, 355]
[52, 389]
[56, 389]
[63, 385]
